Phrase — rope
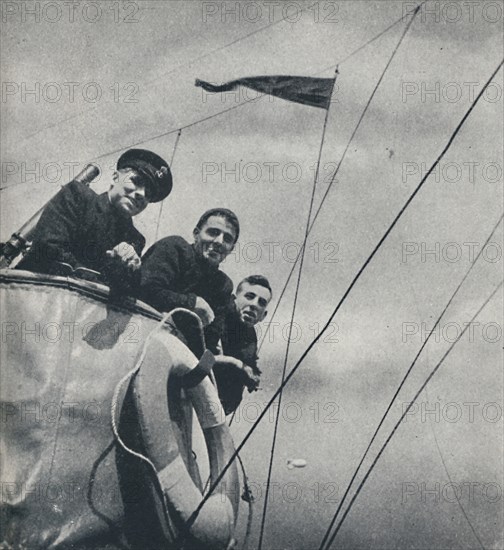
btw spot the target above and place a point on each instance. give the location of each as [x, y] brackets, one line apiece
[302, 255]
[333, 177]
[232, 418]
[171, 166]
[134, 370]
[248, 497]
[195, 316]
[163, 134]
[422, 387]
[128, 376]
[193, 517]
[298, 284]
[403, 381]
[119, 385]
[427, 362]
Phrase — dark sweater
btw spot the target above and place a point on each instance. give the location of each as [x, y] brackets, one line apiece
[173, 275]
[77, 227]
[240, 341]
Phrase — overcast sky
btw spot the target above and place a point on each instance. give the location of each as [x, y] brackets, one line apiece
[83, 85]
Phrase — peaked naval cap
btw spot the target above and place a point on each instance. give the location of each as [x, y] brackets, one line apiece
[152, 168]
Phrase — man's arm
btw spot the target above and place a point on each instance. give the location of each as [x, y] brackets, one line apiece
[162, 265]
[215, 331]
[137, 240]
[250, 376]
[240, 343]
[121, 265]
[58, 225]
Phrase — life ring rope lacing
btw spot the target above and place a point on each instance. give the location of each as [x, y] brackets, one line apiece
[133, 371]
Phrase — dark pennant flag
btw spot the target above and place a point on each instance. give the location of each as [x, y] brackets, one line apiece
[300, 89]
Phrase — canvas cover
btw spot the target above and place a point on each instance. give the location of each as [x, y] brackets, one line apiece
[64, 480]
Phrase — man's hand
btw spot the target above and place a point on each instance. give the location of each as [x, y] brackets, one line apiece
[126, 256]
[250, 378]
[253, 379]
[204, 311]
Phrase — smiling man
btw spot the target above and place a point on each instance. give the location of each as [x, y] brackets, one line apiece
[237, 367]
[85, 230]
[178, 274]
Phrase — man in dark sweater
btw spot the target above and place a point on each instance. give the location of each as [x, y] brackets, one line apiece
[237, 367]
[85, 230]
[178, 274]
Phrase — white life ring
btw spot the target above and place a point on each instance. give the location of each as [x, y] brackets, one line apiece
[168, 361]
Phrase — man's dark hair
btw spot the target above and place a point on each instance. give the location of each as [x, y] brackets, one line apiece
[255, 280]
[225, 213]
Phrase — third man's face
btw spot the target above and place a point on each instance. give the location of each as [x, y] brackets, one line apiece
[215, 240]
[251, 302]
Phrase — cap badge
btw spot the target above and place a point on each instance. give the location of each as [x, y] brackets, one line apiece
[162, 172]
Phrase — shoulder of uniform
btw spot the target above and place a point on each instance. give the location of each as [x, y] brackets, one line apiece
[174, 241]
[78, 188]
[78, 194]
[171, 246]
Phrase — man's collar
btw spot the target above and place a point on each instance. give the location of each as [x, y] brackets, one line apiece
[236, 318]
[104, 205]
[205, 266]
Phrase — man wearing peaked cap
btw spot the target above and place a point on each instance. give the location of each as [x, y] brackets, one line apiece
[152, 168]
[82, 229]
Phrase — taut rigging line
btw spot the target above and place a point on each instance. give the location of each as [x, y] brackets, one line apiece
[401, 384]
[174, 70]
[302, 254]
[209, 117]
[298, 283]
[421, 389]
[336, 171]
[195, 514]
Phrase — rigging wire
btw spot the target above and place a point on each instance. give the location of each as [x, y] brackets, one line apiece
[174, 70]
[422, 387]
[302, 255]
[163, 134]
[457, 498]
[171, 167]
[401, 385]
[195, 514]
[379, 35]
[298, 284]
[337, 169]
[218, 49]
[262, 95]
[204, 119]
[152, 138]
[436, 440]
